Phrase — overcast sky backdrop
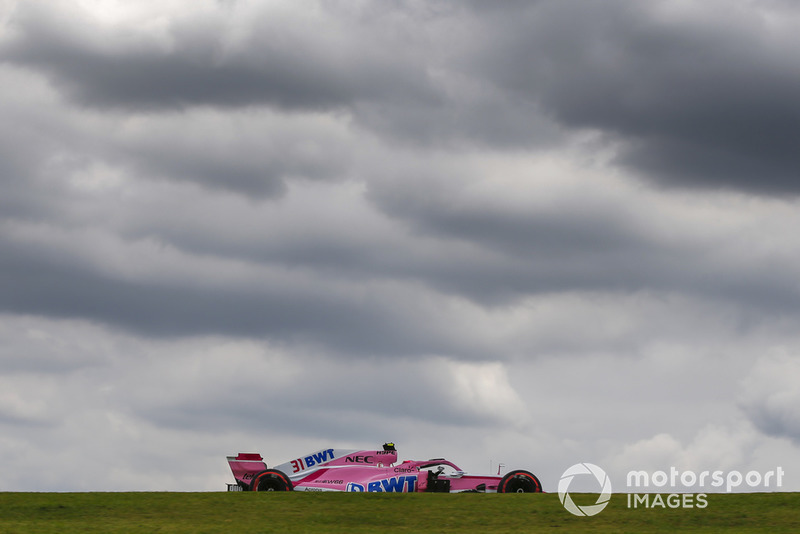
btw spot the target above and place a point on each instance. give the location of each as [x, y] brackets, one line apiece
[536, 233]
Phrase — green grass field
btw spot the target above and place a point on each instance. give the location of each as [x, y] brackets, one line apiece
[26, 513]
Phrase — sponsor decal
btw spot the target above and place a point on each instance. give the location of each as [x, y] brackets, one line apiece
[301, 464]
[356, 459]
[399, 484]
[406, 469]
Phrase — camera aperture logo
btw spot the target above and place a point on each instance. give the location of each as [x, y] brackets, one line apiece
[602, 499]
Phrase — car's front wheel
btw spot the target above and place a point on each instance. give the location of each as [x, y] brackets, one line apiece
[519, 481]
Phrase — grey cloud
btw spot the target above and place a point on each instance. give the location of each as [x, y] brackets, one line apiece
[779, 421]
[462, 121]
[47, 282]
[604, 242]
[336, 397]
[253, 153]
[695, 96]
[28, 348]
[31, 139]
[770, 397]
[48, 147]
[700, 96]
[413, 182]
[283, 63]
[386, 68]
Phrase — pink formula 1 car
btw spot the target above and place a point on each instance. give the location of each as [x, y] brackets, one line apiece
[369, 471]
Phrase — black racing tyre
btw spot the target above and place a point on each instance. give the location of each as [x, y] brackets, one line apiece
[519, 481]
[271, 480]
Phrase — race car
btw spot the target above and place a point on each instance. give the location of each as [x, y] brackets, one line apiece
[370, 471]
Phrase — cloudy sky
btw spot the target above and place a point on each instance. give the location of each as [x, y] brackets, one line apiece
[536, 233]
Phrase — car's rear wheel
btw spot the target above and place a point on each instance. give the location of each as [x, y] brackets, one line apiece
[519, 481]
[271, 480]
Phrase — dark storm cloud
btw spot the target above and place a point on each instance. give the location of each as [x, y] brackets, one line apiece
[543, 254]
[388, 67]
[701, 95]
[301, 63]
[694, 94]
[45, 147]
[243, 224]
[38, 281]
[587, 65]
[602, 240]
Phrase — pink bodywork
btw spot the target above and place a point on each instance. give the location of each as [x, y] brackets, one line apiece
[361, 471]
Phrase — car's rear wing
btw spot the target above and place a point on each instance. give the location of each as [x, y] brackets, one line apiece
[244, 466]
